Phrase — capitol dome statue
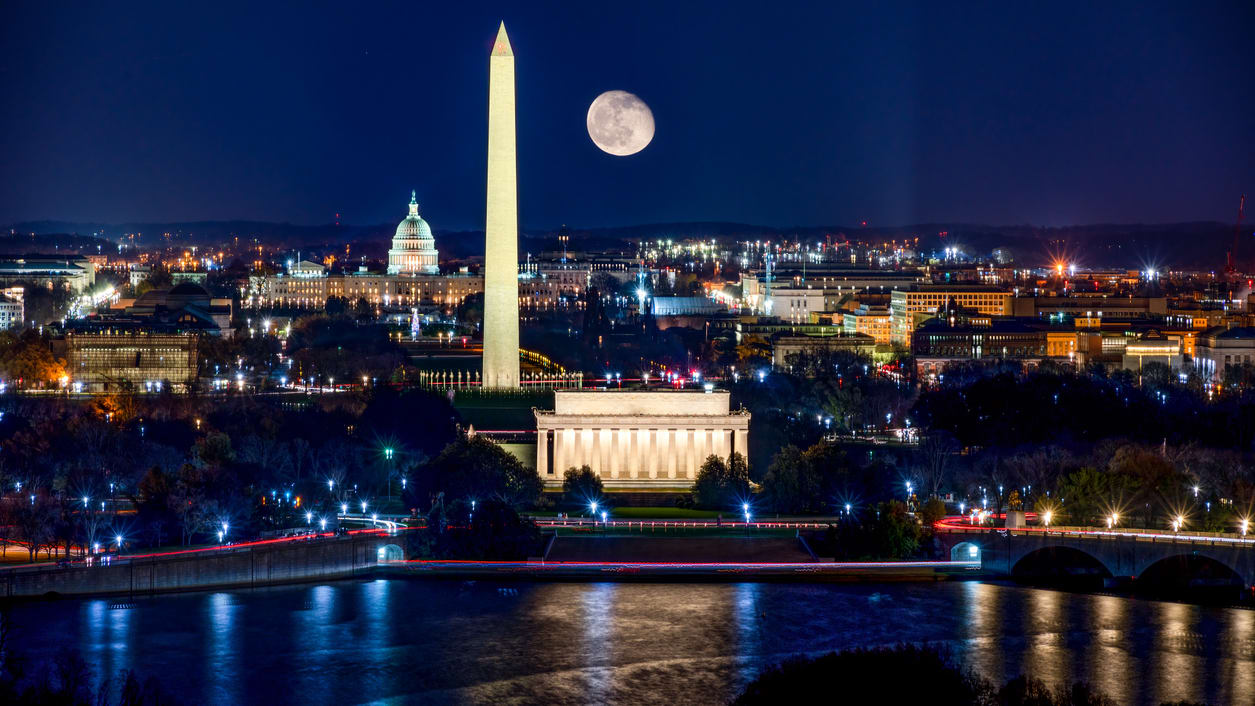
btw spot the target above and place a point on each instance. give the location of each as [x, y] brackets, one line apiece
[413, 248]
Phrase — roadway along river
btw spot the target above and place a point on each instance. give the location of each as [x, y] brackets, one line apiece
[449, 642]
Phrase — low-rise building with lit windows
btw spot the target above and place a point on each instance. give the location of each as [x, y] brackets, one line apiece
[12, 307]
[1152, 347]
[870, 321]
[945, 340]
[906, 305]
[1220, 348]
[75, 272]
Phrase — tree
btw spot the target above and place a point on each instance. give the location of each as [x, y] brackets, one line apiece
[754, 351]
[932, 511]
[811, 481]
[581, 486]
[1159, 484]
[215, 449]
[1089, 495]
[492, 531]
[935, 452]
[895, 534]
[722, 484]
[474, 467]
[788, 485]
[186, 500]
[27, 359]
[34, 523]
[152, 503]
[920, 675]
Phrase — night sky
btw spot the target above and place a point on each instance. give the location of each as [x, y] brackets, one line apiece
[767, 113]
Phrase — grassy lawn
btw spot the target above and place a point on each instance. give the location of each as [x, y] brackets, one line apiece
[641, 513]
[664, 513]
[684, 532]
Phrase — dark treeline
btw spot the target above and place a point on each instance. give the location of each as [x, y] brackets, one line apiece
[904, 674]
[188, 464]
[1086, 445]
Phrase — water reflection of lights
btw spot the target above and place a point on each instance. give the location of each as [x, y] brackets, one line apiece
[1172, 664]
[221, 652]
[597, 602]
[1108, 657]
[1046, 626]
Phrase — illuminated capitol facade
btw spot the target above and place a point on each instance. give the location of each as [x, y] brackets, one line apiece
[412, 279]
[413, 247]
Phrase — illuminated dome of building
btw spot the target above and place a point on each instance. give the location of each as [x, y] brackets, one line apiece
[413, 247]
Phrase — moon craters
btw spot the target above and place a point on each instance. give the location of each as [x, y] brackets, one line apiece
[620, 123]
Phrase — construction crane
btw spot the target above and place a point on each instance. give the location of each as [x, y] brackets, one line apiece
[1230, 267]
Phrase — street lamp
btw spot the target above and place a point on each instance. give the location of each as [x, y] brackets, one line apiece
[593, 506]
[309, 517]
[344, 508]
[1244, 525]
[1047, 517]
[322, 523]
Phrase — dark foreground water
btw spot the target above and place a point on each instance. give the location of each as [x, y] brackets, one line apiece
[402, 641]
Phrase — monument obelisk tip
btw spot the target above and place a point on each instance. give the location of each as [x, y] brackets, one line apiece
[502, 47]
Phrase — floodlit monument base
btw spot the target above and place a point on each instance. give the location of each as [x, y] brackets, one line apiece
[637, 439]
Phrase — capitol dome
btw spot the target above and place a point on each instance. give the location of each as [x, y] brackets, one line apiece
[413, 247]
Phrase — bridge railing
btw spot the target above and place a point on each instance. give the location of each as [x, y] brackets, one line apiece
[1102, 533]
[644, 524]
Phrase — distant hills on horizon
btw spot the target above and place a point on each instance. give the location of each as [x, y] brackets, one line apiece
[1198, 244]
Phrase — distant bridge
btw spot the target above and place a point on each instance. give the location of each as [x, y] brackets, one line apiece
[1179, 559]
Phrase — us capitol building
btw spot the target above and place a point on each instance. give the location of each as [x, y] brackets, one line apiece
[412, 278]
[413, 247]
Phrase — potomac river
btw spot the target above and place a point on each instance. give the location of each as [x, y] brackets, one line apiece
[417, 641]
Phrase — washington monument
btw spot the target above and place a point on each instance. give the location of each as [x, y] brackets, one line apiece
[501, 226]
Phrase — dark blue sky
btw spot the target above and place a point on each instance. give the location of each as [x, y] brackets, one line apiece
[770, 113]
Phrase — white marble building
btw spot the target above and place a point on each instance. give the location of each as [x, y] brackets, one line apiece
[413, 247]
[638, 438]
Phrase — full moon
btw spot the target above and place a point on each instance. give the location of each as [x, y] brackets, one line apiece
[620, 123]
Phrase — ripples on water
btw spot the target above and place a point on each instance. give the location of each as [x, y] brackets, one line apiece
[391, 641]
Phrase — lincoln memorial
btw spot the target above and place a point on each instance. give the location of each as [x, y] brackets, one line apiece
[638, 438]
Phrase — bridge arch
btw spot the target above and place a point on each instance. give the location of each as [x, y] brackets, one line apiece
[965, 551]
[390, 552]
[1061, 564]
[1189, 572]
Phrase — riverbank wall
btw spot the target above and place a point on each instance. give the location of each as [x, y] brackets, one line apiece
[316, 559]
